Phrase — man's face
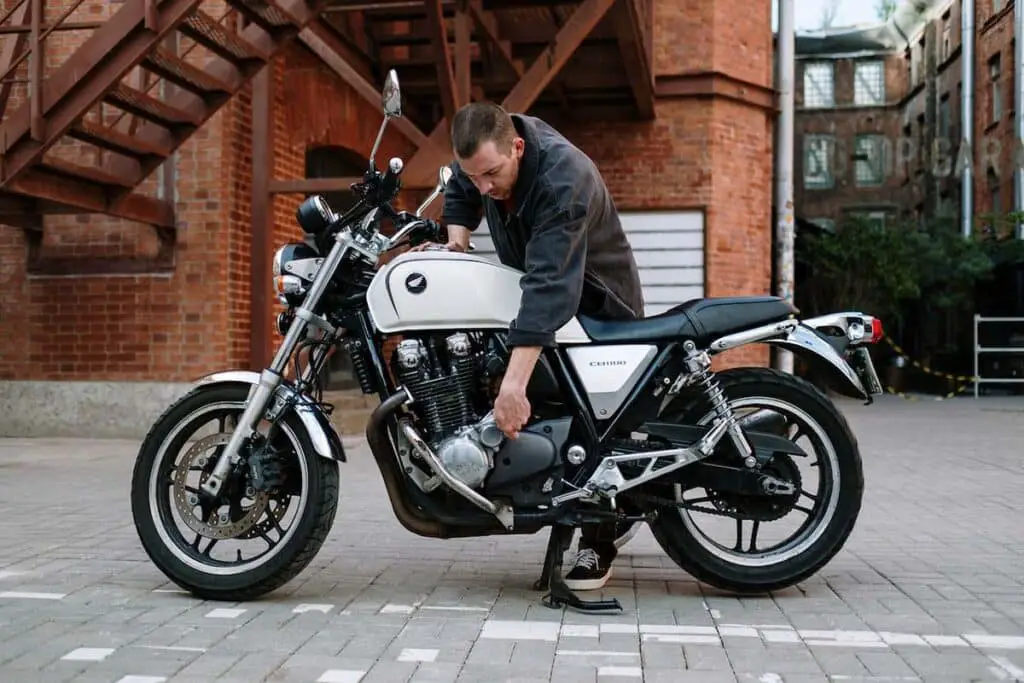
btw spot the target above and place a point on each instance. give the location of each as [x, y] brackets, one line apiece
[494, 170]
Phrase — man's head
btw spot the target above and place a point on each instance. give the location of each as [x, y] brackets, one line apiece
[488, 148]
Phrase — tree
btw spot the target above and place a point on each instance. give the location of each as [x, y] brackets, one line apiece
[828, 13]
[885, 9]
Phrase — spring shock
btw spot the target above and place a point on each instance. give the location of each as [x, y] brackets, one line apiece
[698, 363]
[357, 356]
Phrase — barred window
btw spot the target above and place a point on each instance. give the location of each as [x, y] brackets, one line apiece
[819, 85]
[869, 83]
[871, 158]
[819, 153]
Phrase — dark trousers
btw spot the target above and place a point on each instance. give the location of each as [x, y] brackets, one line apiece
[600, 538]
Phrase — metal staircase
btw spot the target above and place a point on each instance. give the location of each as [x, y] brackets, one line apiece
[88, 134]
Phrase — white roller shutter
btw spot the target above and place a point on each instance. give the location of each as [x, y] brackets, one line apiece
[669, 251]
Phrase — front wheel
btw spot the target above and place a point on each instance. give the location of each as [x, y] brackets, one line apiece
[753, 554]
[259, 534]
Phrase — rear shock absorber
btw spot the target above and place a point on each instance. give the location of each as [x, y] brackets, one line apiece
[698, 364]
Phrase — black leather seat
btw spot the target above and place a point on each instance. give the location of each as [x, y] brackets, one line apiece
[702, 320]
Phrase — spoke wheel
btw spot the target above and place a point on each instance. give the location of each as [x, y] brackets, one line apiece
[247, 541]
[762, 543]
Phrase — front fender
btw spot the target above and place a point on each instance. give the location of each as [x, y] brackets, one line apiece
[809, 345]
[325, 439]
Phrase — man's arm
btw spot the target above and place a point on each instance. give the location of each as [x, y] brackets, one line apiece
[463, 208]
[552, 287]
[555, 264]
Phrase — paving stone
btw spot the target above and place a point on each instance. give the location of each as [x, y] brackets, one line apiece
[930, 586]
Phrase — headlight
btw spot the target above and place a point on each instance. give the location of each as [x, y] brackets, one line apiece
[288, 286]
[294, 267]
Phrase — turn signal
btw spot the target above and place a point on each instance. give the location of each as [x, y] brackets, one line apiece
[876, 331]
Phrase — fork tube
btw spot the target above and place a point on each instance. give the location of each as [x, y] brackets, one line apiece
[270, 378]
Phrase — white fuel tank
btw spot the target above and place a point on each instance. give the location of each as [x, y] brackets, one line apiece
[440, 290]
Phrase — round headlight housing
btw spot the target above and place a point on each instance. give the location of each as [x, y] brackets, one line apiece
[294, 267]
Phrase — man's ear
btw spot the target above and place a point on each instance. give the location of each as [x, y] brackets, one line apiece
[518, 145]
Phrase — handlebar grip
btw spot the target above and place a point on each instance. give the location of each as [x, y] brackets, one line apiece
[389, 183]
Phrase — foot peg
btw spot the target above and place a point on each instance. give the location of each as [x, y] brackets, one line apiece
[559, 594]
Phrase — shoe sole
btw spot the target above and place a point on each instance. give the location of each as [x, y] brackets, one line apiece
[588, 584]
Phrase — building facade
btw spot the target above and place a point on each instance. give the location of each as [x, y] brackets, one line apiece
[879, 116]
[95, 341]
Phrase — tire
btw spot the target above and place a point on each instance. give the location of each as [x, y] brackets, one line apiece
[168, 549]
[684, 544]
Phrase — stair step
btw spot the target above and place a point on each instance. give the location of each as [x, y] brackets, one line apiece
[183, 74]
[205, 30]
[139, 103]
[116, 141]
[78, 172]
[268, 17]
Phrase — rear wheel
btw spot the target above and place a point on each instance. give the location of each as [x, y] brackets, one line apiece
[257, 535]
[747, 559]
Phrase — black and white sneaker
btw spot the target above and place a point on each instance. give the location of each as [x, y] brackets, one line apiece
[589, 572]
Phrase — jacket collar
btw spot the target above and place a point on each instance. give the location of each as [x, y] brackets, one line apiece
[528, 165]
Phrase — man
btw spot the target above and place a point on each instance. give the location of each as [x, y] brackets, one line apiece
[551, 216]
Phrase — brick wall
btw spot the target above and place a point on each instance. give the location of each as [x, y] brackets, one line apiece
[698, 153]
[994, 137]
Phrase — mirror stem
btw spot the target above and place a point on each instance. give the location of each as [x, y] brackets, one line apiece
[376, 144]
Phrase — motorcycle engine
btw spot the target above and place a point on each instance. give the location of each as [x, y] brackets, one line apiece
[447, 377]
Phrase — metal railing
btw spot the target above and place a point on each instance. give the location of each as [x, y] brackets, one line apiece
[978, 350]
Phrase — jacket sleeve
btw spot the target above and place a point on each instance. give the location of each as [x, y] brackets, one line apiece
[462, 203]
[555, 264]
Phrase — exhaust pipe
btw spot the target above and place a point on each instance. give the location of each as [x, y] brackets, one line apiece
[384, 454]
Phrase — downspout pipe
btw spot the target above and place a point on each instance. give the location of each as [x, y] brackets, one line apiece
[784, 142]
[967, 112]
[1018, 124]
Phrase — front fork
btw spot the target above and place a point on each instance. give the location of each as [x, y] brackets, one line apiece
[271, 378]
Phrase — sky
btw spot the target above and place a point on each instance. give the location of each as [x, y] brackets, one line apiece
[808, 13]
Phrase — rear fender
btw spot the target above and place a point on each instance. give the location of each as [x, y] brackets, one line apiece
[321, 432]
[805, 342]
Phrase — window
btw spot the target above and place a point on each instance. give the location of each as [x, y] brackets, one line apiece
[944, 117]
[993, 192]
[947, 39]
[870, 156]
[869, 83]
[819, 88]
[994, 69]
[819, 152]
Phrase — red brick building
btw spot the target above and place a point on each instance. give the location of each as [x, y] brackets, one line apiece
[891, 147]
[124, 276]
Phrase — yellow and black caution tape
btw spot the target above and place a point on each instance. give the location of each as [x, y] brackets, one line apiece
[965, 382]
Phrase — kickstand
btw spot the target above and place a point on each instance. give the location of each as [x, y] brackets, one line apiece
[551, 577]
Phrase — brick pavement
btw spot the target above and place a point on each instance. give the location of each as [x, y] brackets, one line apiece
[928, 589]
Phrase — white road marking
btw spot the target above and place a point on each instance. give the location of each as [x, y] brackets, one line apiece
[26, 595]
[771, 633]
[225, 613]
[620, 671]
[411, 654]
[312, 607]
[88, 654]
[341, 676]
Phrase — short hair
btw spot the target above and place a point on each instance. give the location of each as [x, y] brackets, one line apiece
[478, 122]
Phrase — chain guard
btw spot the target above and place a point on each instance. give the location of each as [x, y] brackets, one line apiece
[733, 506]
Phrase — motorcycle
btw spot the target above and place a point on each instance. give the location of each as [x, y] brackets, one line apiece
[628, 419]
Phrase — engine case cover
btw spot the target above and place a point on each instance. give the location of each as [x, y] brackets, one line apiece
[438, 290]
[466, 459]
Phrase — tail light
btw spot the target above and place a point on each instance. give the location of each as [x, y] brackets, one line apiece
[876, 331]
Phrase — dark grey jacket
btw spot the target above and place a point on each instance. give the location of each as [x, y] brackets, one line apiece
[563, 232]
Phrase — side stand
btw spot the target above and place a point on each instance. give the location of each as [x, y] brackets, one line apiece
[551, 577]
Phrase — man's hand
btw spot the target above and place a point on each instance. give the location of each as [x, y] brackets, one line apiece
[451, 246]
[511, 409]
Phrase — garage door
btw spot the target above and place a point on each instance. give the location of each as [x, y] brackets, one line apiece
[669, 251]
